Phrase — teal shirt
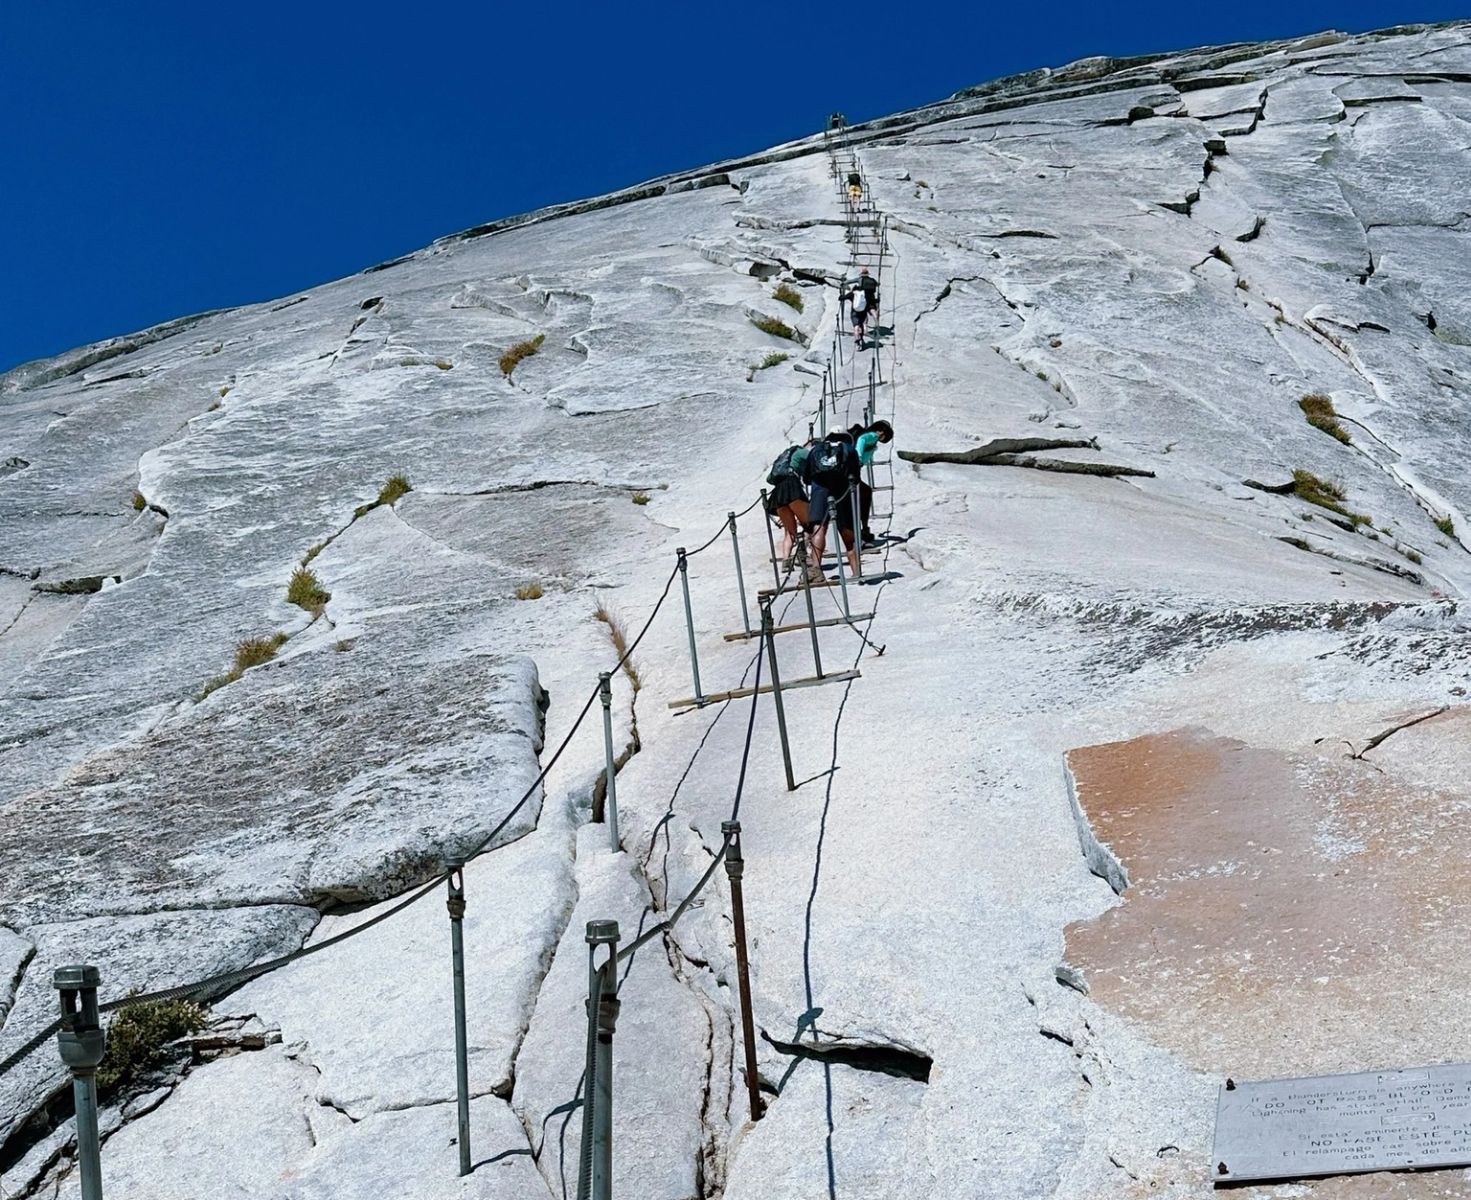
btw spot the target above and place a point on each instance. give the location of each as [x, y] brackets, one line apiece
[867, 444]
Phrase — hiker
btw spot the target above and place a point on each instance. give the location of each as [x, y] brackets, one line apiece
[855, 188]
[882, 432]
[863, 303]
[869, 286]
[858, 309]
[787, 501]
[832, 469]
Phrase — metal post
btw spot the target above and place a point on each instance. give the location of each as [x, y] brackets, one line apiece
[771, 540]
[853, 490]
[610, 792]
[455, 878]
[602, 1000]
[689, 622]
[842, 568]
[82, 1044]
[735, 546]
[735, 868]
[806, 556]
[781, 712]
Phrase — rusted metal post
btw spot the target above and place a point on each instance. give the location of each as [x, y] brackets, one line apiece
[602, 1002]
[735, 868]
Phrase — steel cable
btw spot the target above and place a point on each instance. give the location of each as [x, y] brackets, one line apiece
[228, 979]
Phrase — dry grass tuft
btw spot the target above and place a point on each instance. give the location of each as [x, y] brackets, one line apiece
[530, 591]
[641, 498]
[619, 637]
[774, 327]
[306, 591]
[520, 351]
[1318, 409]
[252, 652]
[397, 487]
[1325, 494]
[1446, 525]
[789, 296]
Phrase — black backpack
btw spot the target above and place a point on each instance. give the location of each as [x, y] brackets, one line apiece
[829, 457]
[783, 467]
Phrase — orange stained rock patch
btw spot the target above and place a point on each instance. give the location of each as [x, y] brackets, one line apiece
[1285, 915]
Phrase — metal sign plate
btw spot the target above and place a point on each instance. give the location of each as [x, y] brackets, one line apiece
[1337, 1124]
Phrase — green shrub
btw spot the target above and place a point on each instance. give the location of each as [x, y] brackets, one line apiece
[774, 359]
[138, 1036]
[1318, 409]
[521, 350]
[139, 503]
[1414, 557]
[774, 327]
[306, 591]
[1446, 525]
[789, 296]
[641, 498]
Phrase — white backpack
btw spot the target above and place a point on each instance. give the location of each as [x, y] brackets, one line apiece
[860, 300]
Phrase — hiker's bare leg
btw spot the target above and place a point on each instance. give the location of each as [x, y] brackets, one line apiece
[788, 521]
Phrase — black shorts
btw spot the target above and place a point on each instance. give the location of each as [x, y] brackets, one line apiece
[825, 495]
[787, 490]
[860, 317]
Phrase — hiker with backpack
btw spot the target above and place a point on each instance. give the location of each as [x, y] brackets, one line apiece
[832, 469]
[863, 299]
[869, 286]
[787, 500]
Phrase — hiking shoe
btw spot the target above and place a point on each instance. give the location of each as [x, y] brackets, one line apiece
[814, 573]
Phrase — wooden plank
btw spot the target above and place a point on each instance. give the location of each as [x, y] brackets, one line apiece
[786, 686]
[741, 635]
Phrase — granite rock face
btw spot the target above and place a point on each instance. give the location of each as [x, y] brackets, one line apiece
[997, 940]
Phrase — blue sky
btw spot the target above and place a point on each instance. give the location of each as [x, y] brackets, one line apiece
[165, 158]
